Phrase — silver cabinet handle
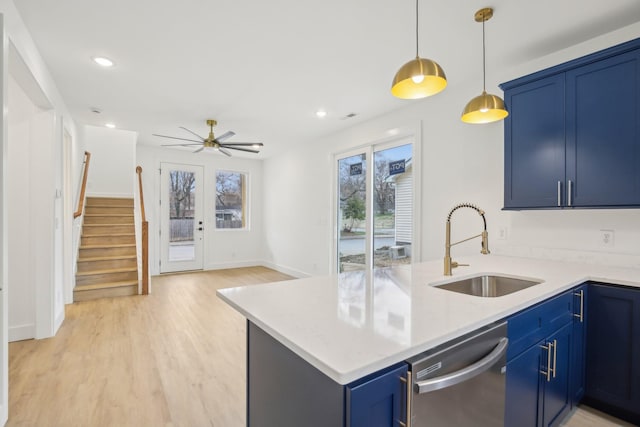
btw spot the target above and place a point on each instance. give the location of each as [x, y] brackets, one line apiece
[555, 353]
[466, 373]
[581, 315]
[407, 381]
[547, 373]
[559, 193]
[569, 191]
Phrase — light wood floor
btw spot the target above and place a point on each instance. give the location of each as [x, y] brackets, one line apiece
[173, 358]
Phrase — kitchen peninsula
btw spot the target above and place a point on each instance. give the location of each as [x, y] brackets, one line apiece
[352, 325]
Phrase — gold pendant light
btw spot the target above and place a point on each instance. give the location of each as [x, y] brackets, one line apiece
[419, 77]
[485, 108]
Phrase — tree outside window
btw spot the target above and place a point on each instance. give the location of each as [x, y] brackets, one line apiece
[230, 200]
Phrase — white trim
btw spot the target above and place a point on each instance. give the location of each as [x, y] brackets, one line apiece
[22, 332]
[4, 227]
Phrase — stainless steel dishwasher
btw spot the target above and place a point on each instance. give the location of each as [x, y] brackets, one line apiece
[461, 383]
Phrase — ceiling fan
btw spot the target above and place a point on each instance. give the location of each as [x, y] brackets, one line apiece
[216, 143]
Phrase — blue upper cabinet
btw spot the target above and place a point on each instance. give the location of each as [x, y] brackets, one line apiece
[603, 120]
[572, 137]
[535, 149]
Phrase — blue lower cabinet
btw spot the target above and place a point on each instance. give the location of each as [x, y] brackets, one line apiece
[538, 382]
[523, 388]
[613, 351]
[378, 401]
[556, 402]
[540, 377]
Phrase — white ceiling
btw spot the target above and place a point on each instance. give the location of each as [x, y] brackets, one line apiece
[262, 68]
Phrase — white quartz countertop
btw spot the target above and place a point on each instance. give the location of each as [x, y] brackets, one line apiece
[353, 324]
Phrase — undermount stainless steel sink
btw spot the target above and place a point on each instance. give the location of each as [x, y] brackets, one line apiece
[489, 286]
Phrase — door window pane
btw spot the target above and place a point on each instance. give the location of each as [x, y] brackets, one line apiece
[352, 176]
[182, 202]
[230, 200]
[392, 206]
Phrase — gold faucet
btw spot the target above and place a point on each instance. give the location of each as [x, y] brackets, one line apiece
[450, 264]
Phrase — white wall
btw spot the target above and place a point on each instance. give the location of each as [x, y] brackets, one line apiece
[113, 156]
[22, 311]
[222, 248]
[460, 163]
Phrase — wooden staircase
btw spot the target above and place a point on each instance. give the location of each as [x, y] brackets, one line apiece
[107, 262]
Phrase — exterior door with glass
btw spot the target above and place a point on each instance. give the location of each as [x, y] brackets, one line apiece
[375, 206]
[182, 220]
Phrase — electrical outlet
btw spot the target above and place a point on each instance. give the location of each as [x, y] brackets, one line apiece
[502, 233]
[607, 238]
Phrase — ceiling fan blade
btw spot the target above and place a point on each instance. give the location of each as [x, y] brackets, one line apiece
[199, 149]
[225, 152]
[180, 145]
[245, 144]
[224, 136]
[240, 149]
[192, 132]
[174, 137]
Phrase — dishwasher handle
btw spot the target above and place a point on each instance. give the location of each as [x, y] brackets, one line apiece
[466, 373]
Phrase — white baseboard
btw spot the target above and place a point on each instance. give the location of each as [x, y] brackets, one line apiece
[22, 332]
[235, 264]
[286, 270]
[58, 321]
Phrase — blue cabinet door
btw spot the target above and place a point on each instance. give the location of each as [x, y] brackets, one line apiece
[603, 132]
[534, 147]
[522, 405]
[556, 401]
[578, 353]
[377, 402]
[613, 351]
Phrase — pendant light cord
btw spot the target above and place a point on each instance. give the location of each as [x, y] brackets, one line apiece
[417, 29]
[484, 64]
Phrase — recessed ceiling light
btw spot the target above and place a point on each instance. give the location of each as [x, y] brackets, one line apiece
[102, 61]
[321, 113]
[110, 125]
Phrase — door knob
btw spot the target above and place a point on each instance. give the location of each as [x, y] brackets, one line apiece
[200, 228]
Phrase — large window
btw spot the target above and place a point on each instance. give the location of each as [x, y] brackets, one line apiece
[231, 200]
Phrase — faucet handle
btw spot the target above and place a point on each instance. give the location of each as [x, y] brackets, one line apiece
[455, 264]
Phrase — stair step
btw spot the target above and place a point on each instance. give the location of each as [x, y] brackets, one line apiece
[106, 250]
[101, 229]
[93, 210]
[107, 239]
[108, 219]
[106, 285]
[105, 276]
[106, 258]
[109, 201]
[105, 290]
[127, 245]
[107, 263]
[107, 271]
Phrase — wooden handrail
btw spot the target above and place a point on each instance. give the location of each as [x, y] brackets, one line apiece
[145, 237]
[139, 172]
[83, 188]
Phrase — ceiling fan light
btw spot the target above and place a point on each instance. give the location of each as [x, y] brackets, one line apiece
[485, 108]
[418, 78]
